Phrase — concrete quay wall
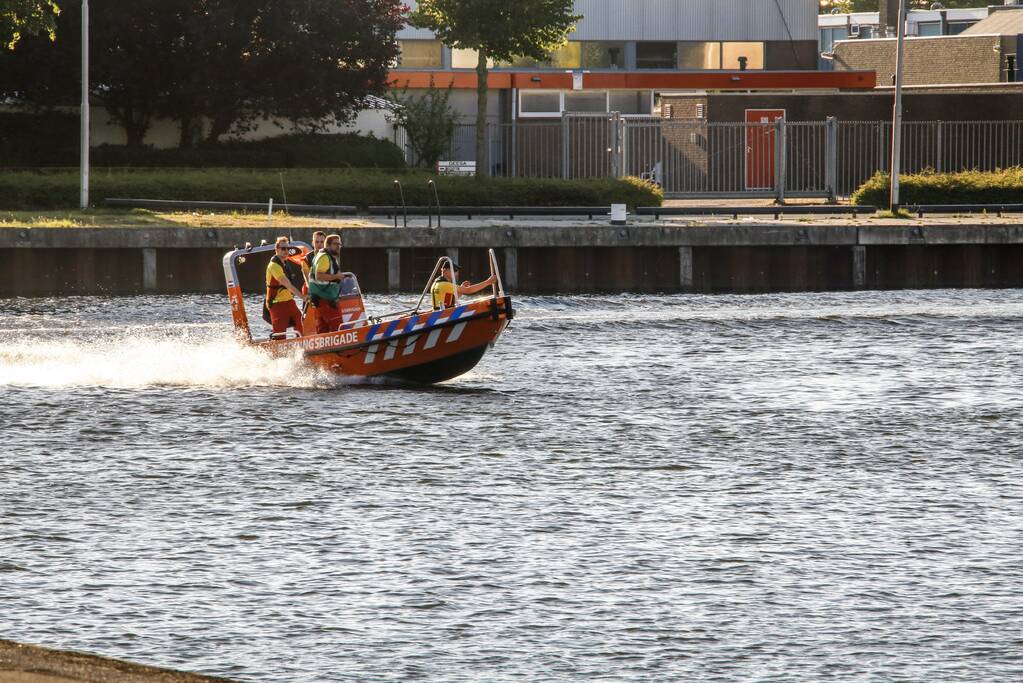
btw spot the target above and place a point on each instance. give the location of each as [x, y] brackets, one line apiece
[568, 258]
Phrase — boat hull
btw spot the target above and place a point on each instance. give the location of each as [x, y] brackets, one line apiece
[417, 347]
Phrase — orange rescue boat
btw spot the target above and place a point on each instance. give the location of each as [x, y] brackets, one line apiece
[419, 345]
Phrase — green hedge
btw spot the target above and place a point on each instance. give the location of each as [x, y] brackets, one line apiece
[929, 187]
[287, 151]
[58, 189]
[38, 139]
[48, 140]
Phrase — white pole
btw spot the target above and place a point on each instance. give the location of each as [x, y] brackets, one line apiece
[897, 113]
[84, 175]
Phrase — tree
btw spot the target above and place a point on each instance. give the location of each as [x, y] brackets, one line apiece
[314, 62]
[26, 17]
[428, 120]
[498, 30]
[872, 5]
[310, 63]
[215, 64]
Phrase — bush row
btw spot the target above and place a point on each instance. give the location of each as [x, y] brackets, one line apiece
[47, 140]
[347, 150]
[58, 189]
[38, 139]
[929, 187]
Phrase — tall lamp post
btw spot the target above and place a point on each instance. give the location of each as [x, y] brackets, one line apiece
[897, 112]
[83, 194]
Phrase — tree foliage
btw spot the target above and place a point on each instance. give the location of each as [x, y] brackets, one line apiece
[26, 17]
[499, 30]
[428, 120]
[216, 66]
[873, 5]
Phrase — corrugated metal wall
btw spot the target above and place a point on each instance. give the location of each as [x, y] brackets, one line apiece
[757, 20]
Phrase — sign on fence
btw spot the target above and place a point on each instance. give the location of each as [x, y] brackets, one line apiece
[456, 167]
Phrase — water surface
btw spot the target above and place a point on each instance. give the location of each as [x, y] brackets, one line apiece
[780, 487]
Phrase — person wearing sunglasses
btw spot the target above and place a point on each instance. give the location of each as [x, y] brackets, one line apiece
[281, 291]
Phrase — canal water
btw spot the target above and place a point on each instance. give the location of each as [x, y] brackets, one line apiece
[779, 487]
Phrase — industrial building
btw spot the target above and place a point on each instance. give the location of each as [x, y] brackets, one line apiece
[624, 53]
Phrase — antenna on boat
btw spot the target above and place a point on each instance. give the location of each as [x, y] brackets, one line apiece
[280, 174]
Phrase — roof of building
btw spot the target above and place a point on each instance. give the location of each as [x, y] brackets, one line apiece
[1007, 22]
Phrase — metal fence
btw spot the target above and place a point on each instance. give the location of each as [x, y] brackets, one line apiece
[693, 158]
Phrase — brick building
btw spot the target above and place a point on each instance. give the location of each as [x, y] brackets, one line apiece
[986, 52]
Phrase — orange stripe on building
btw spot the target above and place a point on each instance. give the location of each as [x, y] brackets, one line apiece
[681, 80]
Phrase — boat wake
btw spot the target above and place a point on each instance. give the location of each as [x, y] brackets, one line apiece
[149, 357]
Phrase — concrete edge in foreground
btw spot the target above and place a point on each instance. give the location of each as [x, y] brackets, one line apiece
[21, 663]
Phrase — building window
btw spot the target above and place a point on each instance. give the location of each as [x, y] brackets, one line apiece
[462, 58]
[551, 103]
[928, 28]
[733, 54]
[568, 56]
[957, 27]
[603, 55]
[694, 55]
[631, 102]
[586, 102]
[656, 55]
[419, 54]
[540, 103]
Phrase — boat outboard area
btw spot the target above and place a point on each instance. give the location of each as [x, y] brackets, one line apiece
[431, 342]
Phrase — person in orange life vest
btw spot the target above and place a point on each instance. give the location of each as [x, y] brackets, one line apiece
[325, 269]
[443, 290]
[281, 293]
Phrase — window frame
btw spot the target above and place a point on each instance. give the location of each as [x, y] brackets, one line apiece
[519, 114]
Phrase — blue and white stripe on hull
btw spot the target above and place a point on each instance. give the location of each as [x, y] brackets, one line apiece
[436, 320]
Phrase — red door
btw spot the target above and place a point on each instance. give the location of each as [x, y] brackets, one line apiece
[760, 147]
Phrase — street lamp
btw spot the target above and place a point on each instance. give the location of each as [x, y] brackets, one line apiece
[83, 193]
[893, 205]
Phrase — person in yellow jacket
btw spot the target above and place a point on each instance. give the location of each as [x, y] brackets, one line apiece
[281, 292]
[444, 287]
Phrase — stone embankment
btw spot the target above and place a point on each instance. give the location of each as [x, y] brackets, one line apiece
[542, 256]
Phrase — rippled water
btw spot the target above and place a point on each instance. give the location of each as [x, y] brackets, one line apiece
[786, 487]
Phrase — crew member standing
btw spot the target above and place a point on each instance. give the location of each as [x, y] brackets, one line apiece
[325, 284]
[319, 237]
[281, 292]
[309, 310]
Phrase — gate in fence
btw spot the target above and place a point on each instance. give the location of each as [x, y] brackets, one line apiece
[755, 158]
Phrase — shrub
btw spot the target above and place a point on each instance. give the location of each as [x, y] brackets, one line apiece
[929, 187]
[38, 139]
[58, 189]
[287, 151]
[48, 140]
